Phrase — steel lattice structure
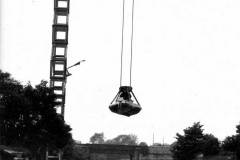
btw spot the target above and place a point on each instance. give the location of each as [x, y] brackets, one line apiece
[58, 63]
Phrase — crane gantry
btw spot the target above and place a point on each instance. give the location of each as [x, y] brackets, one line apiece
[58, 65]
[122, 103]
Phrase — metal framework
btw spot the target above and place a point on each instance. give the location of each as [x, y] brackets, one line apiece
[58, 63]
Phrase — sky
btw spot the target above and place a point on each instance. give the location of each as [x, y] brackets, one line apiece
[186, 63]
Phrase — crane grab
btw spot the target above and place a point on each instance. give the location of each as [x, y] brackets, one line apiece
[125, 102]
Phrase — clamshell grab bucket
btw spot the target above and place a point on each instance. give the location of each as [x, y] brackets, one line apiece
[123, 104]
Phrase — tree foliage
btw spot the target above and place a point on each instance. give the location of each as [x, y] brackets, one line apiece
[31, 119]
[189, 145]
[97, 138]
[232, 143]
[143, 144]
[194, 142]
[8, 85]
[123, 139]
[211, 145]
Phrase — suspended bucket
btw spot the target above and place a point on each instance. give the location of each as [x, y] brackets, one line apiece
[123, 104]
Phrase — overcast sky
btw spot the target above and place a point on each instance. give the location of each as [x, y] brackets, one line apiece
[186, 63]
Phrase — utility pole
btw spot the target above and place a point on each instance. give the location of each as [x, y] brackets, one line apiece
[153, 139]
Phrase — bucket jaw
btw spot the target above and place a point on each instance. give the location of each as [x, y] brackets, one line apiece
[123, 103]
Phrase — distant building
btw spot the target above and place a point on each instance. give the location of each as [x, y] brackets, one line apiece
[124, 152]
[159, 152]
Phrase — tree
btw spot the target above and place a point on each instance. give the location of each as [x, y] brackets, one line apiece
[211, 145]
[143, 144]
[232, 143]
[11, 89]
[31, 119]
[8, 85]
[238, 129]
[123, 140]
[144, 148]
[97, 138]
[189, 145]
